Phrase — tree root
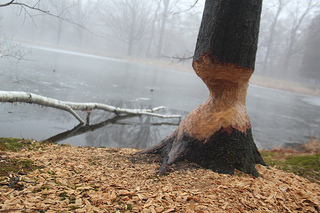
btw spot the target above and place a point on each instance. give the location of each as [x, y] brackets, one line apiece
[223, 152]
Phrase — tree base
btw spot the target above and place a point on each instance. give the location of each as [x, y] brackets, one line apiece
[226, 150]
[217, 134]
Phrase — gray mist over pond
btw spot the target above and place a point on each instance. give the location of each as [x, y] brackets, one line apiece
[277, 117]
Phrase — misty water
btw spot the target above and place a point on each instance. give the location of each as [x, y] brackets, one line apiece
[277, 117]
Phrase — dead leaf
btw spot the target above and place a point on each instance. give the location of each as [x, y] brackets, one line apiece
[107, 180]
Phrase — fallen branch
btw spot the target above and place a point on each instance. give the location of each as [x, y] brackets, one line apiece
[13, 96]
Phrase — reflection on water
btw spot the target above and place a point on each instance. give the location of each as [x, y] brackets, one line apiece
[104, 130]
[277, 117]
[119, 131]
[135, 131]
[79, 78]
[129, 130]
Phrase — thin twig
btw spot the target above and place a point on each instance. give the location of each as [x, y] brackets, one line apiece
[24, 6]
[177, 58]
[192, 6]
[6, 4]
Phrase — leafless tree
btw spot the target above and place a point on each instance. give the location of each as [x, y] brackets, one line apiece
[82, 11]
[9, 49]
[311, 57]
[164, 15]
[62, 9]
[153, 26]
[129, 20]
[169, 11]
[281, 5]
[298, 15]
[38, 5]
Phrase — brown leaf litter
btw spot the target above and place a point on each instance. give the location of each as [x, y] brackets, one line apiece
[86, 179]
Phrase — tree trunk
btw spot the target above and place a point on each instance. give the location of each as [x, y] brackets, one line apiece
[217, 134]
[132, 32]
[298, 20]
[155, 17]
[163, 25]
[271, 37]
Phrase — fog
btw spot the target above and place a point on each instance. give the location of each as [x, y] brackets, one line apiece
[81, 50]
[164, 30]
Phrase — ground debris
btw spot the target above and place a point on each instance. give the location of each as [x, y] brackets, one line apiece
[84, 179]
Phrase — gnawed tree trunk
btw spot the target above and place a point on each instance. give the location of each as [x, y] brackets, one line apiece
[217, 134]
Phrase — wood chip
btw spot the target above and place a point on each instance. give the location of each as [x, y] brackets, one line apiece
[83, 179]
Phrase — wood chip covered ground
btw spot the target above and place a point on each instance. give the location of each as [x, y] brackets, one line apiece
[84, 179]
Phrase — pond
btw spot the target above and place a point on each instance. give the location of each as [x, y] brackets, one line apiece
[277, 117]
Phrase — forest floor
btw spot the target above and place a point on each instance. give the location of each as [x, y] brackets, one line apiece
[46, 177]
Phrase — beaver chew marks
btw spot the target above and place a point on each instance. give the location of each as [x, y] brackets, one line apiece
[226, 105]
[217, 134]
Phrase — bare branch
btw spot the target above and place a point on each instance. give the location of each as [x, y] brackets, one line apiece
[191, 6]
[13, 96]
[183, 58]
[6, 4]
[36, 7]
[10, 49]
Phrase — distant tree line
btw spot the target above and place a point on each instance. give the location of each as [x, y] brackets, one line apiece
[283, 37]
[310, 67]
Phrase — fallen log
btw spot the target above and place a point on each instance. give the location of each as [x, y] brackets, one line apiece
[26, 97]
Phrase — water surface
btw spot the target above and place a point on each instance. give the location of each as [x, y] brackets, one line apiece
[277, 117]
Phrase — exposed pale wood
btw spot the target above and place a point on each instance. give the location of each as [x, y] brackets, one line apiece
[217, 134]
[226, 105]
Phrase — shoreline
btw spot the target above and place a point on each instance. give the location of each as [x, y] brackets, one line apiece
[186, 66]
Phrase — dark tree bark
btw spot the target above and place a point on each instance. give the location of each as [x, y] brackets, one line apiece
[217, 134]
